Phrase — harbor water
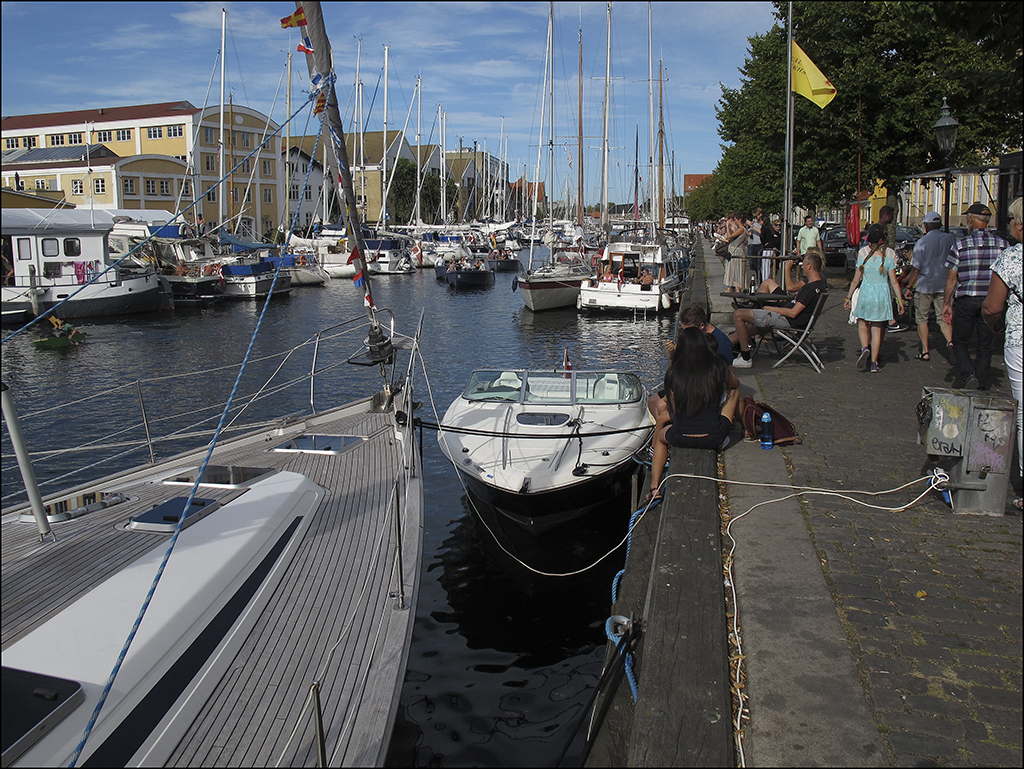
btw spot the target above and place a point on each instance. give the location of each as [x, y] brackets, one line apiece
[504, 659]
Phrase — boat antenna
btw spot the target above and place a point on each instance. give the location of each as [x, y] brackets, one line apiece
[321, 70]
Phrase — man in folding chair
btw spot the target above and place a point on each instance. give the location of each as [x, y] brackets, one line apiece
[795, 315]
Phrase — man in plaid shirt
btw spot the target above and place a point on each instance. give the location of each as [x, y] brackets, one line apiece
[970, 271]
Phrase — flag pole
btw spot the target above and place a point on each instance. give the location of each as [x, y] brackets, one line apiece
[788, 202]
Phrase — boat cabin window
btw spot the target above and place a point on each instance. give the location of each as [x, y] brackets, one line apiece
[24, 249]
[163, 519]
[494, 386]
[72, 247]
[53, 269]
[51, 247]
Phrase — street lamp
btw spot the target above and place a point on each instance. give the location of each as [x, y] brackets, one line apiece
[945, 134]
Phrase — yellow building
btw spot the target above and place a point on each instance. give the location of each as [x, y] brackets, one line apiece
[174, 131]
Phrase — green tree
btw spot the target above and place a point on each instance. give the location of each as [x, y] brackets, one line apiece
[891, 67]
[402, 194]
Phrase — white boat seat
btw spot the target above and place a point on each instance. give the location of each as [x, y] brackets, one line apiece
[509, 379]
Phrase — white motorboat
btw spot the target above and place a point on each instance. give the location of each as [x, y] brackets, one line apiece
[638, 274]
[63, 256]
[543, 447]
[555, 283]
[388, 256]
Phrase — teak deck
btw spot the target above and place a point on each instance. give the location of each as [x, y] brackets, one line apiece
[333, 618]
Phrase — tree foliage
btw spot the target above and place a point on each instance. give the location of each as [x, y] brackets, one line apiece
[891, 64]
[402, 195]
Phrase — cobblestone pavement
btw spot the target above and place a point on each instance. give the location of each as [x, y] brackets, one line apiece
[930, 600]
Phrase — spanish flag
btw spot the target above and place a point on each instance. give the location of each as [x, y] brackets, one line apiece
[321, 102]
[808, 80]
[297, 19]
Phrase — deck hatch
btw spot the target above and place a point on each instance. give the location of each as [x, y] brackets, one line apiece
[222, 476]
[33, 704]
[164, 517]
[320, 444]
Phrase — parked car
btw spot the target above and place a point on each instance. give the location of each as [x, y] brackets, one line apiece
[836, 245]
[959, 232]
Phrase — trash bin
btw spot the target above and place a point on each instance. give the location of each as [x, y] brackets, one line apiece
[970, 435]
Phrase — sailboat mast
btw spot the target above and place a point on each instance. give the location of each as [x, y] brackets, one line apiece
[384, 145]
[320, 65]
[223, 29]
[661, 152]
[650, 122]
[551, 115]
[579, 136]
[419, 119]
[788, 203]
[605, 222]
[284, 205]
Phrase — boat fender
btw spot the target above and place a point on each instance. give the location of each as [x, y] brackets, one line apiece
[666, 301]
[584, 284]
[579, 301]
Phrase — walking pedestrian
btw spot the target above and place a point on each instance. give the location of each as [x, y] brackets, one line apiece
[927, 280]
[876, 274]
[970, 272]
[1004, 292]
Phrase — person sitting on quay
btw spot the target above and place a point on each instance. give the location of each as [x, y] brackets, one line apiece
[699, 403]
[795, 315]
[695, 317]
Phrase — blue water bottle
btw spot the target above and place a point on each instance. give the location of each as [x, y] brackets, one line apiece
[767, 431]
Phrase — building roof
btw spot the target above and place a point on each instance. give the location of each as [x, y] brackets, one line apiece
[61, 155]
[170, 109]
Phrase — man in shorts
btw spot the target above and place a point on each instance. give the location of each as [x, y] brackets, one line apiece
[927, 279]
[794, 315]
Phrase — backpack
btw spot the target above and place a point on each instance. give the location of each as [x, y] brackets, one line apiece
[785, 433]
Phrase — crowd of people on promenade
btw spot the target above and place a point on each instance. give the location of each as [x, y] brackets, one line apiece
[971, 285]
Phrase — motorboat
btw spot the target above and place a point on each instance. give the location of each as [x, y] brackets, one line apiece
[248, 276]
[544, 447]
[556, 283]
[638, 274]
[63, 257]
[503, 261]
[388, 256]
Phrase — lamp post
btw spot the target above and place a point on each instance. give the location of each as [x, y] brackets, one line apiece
[945, 134]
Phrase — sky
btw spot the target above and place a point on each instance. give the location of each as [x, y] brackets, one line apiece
[482, 62]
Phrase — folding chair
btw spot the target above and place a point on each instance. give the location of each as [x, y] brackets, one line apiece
[788, 340]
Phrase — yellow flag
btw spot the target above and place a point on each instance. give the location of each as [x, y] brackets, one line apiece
[808, 80]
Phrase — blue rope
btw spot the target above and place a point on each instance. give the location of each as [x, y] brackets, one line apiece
[628, 661]
[177, 531]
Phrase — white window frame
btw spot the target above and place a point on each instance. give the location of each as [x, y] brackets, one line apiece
[123, 135]
[129, 186]
[155, 132]
[77, 187]
[104, 136]
[150, 186]
[165, 187]
[99, 186]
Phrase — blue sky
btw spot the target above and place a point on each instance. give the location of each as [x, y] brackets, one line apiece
[480, 61]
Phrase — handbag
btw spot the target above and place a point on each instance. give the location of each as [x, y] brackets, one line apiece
[785, 432]
[853, 306]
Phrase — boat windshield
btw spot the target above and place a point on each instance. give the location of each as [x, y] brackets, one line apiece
[554, 387]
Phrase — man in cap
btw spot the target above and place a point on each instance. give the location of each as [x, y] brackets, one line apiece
[926, 282]
[970, 271]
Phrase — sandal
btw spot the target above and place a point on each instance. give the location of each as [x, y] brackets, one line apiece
[1018, 504]
[923, 356]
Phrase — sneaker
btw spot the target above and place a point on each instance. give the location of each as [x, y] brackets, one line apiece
[971, 383]
[874, 368]
[862, 359]
[895, 327]
[741, 362]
